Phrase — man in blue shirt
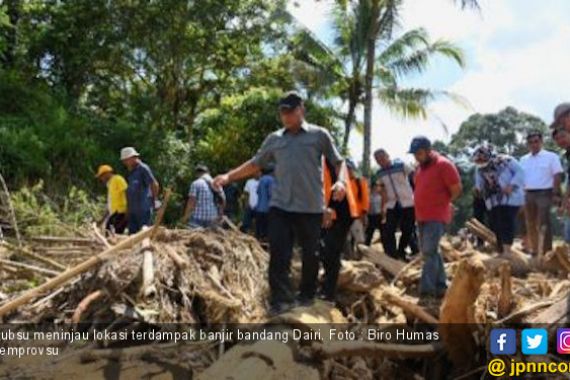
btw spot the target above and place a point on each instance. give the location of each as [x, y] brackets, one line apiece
[264, 189]
[142, 192]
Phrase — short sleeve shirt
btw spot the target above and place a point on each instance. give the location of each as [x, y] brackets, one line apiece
[298, 167]
[139, 194]
[396, 182]
[432, 192]
[206, 208]
[117, 194]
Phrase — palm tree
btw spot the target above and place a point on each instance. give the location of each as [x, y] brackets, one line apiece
[382, 61]
[367, 60]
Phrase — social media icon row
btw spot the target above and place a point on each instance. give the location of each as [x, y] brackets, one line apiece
[533, 341]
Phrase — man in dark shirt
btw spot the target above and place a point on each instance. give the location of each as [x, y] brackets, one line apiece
[142, 192]
[296, 206]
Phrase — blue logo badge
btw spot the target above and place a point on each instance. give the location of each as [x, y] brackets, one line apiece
[503, 342]
[534, 341]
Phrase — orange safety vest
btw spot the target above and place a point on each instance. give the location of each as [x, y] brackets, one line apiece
[358, 206]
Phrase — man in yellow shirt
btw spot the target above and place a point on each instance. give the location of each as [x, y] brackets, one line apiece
[116, 216]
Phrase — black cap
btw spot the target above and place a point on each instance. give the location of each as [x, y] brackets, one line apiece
[201, 168]
[290, 101]
[419, 142]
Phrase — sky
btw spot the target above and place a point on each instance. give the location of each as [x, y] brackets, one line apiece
[518, 54]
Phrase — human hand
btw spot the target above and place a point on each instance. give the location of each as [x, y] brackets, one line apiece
[338, 191]
[220, 181]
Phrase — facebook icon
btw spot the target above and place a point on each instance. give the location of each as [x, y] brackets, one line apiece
[503, 342]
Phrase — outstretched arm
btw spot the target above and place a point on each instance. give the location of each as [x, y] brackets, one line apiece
[245, 170]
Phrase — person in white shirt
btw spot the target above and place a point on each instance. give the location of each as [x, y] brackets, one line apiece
[250, 189]
[543, 174]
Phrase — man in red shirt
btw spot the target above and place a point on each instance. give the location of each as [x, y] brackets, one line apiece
[437, 185]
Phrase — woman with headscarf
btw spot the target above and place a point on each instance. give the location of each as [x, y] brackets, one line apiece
[499, 180]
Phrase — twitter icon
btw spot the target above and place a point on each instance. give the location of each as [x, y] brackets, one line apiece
[534, 341]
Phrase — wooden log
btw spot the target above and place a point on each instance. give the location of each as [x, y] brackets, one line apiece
[457, 315]
[524, 312]
[178, 260]
[557, 313]
[69, 274]
[161, 212]
[147, 290]
[84, 304]
[34, 256]
[332, 350]
[506, 295]
[409, 307]
[100, 236]
[379, 258]
[481, 231]
[32, 268]
[561, 254]
[61, 239]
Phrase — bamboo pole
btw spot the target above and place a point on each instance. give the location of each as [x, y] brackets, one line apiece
[32, 268]
[35, 256]
[64, 277]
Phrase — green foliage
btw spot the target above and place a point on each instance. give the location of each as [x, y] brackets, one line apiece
[37, 214]
[232, 132]
[506, 130]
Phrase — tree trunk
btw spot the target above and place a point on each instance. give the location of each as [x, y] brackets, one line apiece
[368, 83]
[348, 124]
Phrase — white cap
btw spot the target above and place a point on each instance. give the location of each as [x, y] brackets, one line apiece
[128, 152]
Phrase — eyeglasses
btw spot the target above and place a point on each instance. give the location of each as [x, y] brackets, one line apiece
[534, 141]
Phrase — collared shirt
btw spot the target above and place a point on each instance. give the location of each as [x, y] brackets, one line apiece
[264, 190]
[139, 194]
[298, 166]
[432, 194]
[117, 195]
[540, 169]
[501, 172]
[397, 184]
[206, 209]
[251, 189]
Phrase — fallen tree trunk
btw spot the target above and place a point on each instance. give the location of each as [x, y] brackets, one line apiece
[379, 258]
[84, 304]
[481, 231]
[506, 295]
[457, 314]
[69, 274]
[409, 307]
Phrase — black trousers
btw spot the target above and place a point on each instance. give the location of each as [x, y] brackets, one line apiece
[332, 246]
[118, 222]
[374, 223]
[261, 225]
[405, 219]
[284, 229]
[503, 220]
